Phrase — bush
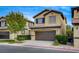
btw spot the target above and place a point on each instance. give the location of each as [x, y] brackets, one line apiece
[56, 43]
[62, 39]
[23, 37]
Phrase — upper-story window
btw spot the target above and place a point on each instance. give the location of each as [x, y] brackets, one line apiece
[2, 23]
[30, 24]
[40, 21]
[52, 19]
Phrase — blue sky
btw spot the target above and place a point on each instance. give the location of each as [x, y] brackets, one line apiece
[30, 11]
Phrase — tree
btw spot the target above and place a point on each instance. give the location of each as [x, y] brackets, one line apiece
[15, 21]
[69, 30]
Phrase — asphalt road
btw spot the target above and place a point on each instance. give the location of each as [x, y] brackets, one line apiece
[20, 49]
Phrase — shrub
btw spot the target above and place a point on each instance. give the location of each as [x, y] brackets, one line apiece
[56, 43]
[62, 39]
[23, 37]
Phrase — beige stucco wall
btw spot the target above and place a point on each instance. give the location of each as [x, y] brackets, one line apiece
[13, 36]
[26, 32]
[32, 35]
[76, 34]
[76, 30]
[59, 21]
[76, 43]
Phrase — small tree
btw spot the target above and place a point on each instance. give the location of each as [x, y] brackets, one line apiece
[15, 21]
[69, 30]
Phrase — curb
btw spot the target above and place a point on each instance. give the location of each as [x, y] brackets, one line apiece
[46, 47]
[54, 48]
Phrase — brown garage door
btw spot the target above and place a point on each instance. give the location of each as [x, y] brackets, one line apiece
[4, 35]
[46, 35]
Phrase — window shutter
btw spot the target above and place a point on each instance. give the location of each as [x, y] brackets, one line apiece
[36, 21]
[43, 21]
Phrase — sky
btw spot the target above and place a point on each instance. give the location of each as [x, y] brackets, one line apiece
[30, 11]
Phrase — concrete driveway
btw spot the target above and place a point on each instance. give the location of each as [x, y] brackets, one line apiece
[38, 43]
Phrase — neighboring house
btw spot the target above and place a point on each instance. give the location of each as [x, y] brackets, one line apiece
[6, 34]
[48, 23]
[75, 22]
[27, 29]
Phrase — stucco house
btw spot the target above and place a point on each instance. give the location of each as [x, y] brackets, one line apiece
[47, 24]
[75, 22]
[6, 34]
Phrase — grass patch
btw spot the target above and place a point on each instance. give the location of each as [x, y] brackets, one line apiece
[56, 43]
[7, 41]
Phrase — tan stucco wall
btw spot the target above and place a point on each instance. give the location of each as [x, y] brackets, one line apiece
[59, 21]
[76, 43]
[32, 35]
[76, 14]
[76, 30]
[76, 34]
[13, 36]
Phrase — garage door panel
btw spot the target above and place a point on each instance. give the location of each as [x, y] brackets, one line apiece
[49, 35]
[4, 35]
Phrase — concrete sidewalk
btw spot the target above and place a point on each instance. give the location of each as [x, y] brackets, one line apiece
[44, 45]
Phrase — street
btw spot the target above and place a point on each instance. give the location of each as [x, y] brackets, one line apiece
[20, 49]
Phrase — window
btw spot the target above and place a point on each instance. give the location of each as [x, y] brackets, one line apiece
[40, 20]
[23, 32]
[3, 23]
[52, 19]
[77, 27]
[0, 24]
[30, 24]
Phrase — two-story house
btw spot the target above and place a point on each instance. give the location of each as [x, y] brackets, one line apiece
[75, 22]
[47, 24]
[6, 34]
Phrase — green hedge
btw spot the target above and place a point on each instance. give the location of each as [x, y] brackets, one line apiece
[23, 37]
[62, 39]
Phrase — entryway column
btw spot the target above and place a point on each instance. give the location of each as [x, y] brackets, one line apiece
[76, 42]
[32, 35]
[12, 36]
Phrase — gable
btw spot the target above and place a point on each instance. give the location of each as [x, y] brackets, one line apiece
[55, 12]
[51, 14]
[41, 14]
